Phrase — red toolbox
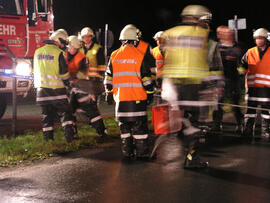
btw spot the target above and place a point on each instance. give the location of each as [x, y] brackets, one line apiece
[166, 119]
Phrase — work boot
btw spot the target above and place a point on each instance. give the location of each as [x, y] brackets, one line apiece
[217, 127]
[142, 148]
[69, 133]
[193, 161]
[249, 128]
[127, 147]
[239, 129]
[265, 128]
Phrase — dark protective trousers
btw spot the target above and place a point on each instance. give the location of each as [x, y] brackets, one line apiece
[50, 113]
[134, 136]
[232, 91]
[257, 97]
[83, 104]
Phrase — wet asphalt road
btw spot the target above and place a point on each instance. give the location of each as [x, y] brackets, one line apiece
[237, 173]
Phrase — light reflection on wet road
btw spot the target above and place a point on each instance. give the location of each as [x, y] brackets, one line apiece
[237, 173]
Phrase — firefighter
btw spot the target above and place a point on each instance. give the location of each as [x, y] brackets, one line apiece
[257, 62]
[230, 54]
[51, 77]
[82, 98]
[95, 54]
[185, 68]
[145, 49]
[128, 79]
[159, 58]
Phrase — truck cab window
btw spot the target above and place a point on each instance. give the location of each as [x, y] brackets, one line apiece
[11, 7]
[43, 8]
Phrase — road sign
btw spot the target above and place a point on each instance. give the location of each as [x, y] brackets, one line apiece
[239, 24]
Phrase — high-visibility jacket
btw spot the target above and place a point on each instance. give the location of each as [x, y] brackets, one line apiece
[127, 82]
[258, 74]
[186, 52]
[142, 46]
[95, 69]
[46, 68]
[74, 65]
[159, 60]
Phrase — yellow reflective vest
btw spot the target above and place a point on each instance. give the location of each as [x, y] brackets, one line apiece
[46, 68]
[95, 69]
[186, 52]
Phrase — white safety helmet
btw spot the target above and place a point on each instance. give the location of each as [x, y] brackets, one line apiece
[74, 42]
[197, 11]
[158, 35]
[63, 31]
[87, 31]
[129, 32]
[59, 36]
[261, 32]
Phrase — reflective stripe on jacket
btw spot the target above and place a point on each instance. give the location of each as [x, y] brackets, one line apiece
[126, 79]
[186, 52]
[46, 68]
[258, 74]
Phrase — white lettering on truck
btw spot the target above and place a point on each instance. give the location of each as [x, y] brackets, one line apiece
[7, 29]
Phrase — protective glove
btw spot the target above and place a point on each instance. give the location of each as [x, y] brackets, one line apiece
[109, 98]
[150, 98]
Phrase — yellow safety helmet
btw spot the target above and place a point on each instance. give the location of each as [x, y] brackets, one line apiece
[87, 31]
[158, 35]
[129, 32]
[197, 11]
[74, 42]
[261, 32]
[59, 36]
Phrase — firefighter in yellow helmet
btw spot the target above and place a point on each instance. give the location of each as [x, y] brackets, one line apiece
[257, 63]
[185, 68]
[51, 77]
[128, 79]
[95, 54]
[82, 97]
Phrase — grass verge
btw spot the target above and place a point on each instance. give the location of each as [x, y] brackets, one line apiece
[30, 145]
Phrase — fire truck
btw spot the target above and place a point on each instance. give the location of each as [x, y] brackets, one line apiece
[24, 25]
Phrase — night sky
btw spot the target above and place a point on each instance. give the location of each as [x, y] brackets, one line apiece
[73, 15]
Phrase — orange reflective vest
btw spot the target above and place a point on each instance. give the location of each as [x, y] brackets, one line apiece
[159, 60]
[73, 65]
[258, 74]
[142, 47]
[127, 82]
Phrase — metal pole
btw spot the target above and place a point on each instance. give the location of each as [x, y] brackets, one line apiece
[14, 99]
[106, 44]
[236, 28]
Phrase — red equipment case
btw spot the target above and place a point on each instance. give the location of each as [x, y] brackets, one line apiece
[166, 119]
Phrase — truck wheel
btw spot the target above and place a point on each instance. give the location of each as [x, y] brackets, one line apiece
[3, 105]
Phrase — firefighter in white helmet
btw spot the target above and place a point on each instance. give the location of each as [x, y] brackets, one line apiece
[82, 98]
[157, 53]
[128, 79]
[185, 68]
[95, 53]
[51, 77]
[257, 63]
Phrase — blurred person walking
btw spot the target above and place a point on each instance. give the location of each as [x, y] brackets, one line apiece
[185, 67]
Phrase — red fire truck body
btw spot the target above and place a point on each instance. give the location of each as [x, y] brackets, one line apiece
[24, 25]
